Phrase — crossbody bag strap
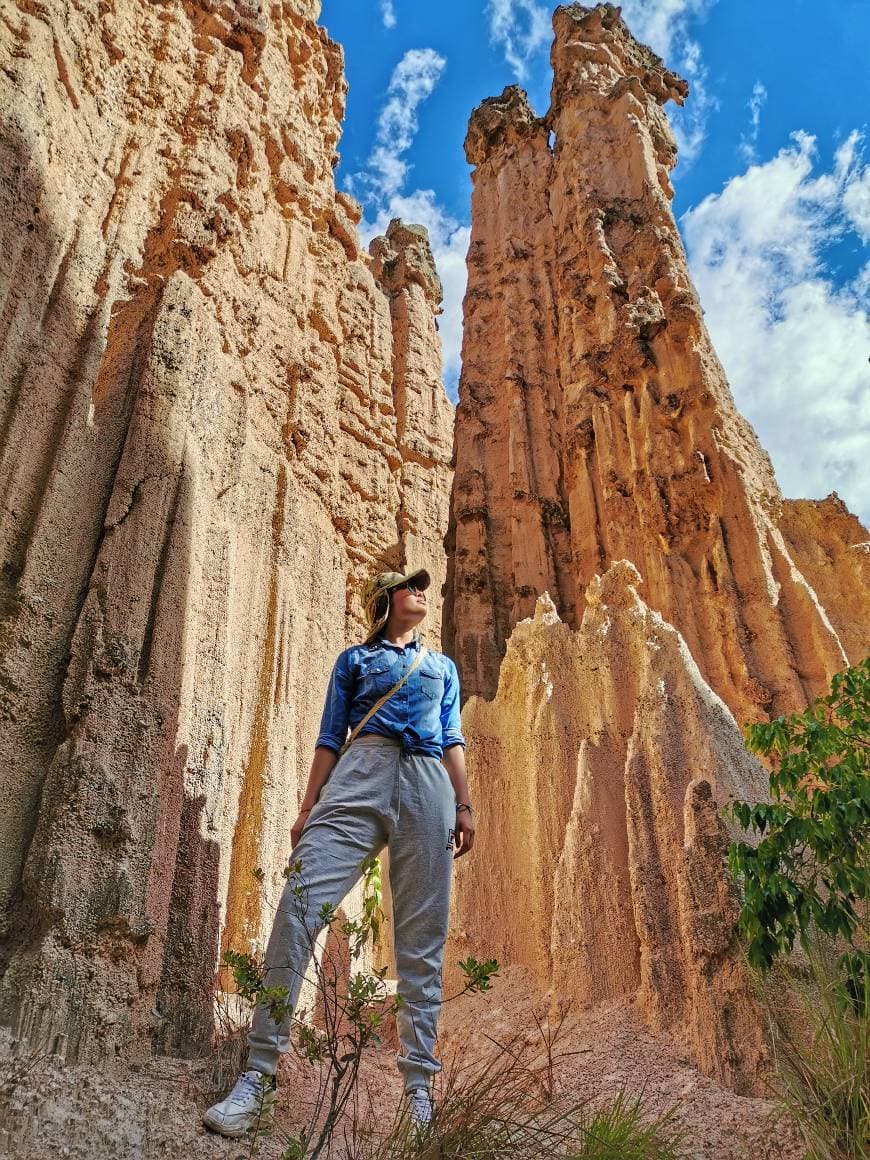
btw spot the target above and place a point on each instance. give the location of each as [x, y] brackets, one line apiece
[421, 655]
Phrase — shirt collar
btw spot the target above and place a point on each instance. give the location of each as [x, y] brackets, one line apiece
[381, 643]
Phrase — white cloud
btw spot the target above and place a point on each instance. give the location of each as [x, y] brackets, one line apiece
[520, 28]
[856, 203]
[449, 240]
[388, 13]
[755, 104]
[381, 188]
[665, 25]
[690, 120]
[413, 80]
[794, 343]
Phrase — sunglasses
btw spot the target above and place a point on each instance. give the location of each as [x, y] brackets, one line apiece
[414, 589]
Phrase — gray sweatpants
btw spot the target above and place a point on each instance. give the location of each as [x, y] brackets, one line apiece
[376, 795]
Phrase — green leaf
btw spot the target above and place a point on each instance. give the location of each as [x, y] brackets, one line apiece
[809, 863]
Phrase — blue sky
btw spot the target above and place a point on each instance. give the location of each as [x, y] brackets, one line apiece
[773, 189]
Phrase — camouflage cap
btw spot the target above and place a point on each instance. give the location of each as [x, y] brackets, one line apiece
[385, 582]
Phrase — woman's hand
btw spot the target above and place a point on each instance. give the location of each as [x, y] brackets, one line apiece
[463, 832]
[453, 760]
[297, 828]
[322, 765]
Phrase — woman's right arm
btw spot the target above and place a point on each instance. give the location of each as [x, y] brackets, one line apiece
[322, 765]
[333, 731]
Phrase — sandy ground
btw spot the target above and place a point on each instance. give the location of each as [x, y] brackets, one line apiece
[49, 1111]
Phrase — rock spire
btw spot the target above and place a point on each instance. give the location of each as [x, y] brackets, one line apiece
[595, 422]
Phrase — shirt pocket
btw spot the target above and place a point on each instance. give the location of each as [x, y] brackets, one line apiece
[375, 677]
[431, 681]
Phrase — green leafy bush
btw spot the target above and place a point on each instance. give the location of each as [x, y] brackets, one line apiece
[810, 870]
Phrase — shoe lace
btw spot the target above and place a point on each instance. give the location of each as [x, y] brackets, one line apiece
[420, 1104]
[249, 1083]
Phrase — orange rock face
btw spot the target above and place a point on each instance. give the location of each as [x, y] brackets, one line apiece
[595, 422]
[598, 771]
[218, 416]
[831, 549]
[596, 442]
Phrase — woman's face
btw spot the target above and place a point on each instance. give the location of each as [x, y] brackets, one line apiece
[409, 600]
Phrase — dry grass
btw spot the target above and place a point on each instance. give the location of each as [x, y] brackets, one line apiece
[509, 1105]
[819, 1038]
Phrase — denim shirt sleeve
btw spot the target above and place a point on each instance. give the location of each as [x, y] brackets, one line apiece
[336, 710]
[451, 727]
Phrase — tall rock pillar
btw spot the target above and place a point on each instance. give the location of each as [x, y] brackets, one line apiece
[595, 422]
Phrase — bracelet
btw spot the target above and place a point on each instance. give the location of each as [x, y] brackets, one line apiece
[460, 806]
[308, 811]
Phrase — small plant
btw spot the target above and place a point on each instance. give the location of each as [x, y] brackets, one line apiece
[620, 1130]
[373, 897]
[810, 870]
[349, 1013]
[478, 976]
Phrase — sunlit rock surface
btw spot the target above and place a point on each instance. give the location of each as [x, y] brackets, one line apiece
[218, 415]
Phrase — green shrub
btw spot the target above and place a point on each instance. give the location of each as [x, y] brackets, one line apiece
[810, 870]
[808, 879]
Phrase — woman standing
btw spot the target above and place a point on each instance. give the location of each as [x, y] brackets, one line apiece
[400, 783]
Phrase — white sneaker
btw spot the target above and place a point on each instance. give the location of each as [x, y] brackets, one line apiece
[420, 1107]
[248, 1106]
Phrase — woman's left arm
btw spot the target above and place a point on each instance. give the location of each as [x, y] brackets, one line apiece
[454, 763]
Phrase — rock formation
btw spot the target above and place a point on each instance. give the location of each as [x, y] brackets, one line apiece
[596, 441]
[598, 770]
[831, 550]
[217, 415]
[595, 422]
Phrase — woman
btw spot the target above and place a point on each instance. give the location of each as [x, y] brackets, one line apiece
[388, 788]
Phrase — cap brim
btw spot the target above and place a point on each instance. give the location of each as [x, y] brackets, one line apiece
[421, 577]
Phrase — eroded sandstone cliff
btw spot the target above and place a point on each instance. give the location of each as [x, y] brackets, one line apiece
[217, 415]
[595, 422]
[599, 769]
[597, 440]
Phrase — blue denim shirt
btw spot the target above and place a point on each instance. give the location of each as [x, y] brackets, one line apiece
[424, 714]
